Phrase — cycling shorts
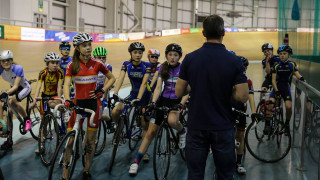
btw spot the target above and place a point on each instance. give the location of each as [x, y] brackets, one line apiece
[21, 93]
[158, 116]
[285, 93]
[42, 102]
[93, 104]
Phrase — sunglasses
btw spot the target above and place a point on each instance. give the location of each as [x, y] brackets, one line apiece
[101, 57]
[65, 48]
[155, 57]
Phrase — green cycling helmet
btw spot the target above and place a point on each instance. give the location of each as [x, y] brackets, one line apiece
[100, 51]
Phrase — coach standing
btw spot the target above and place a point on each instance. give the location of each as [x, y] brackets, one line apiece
[215, 76]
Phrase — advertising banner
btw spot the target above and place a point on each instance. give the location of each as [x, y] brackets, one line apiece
[12, 32]
[170, 32]
[97, 37]
[136, 36]
[153, 34]
[32, 34]
[59, 35]
[194, 30]
[1, 32]
[185, 30]
[112, 37]
[231, 29]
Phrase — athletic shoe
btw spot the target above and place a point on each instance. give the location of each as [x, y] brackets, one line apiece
[182, 140]
[146, 157]
[241, 169]
[86, 176]
[133, 169]
[28, 125]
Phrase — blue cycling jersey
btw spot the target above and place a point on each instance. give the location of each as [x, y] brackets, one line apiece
[273, 61]
[101, 77]
[136, 73]
[63, 63]
[284, 71]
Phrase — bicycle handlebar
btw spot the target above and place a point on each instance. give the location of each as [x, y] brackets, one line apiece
[88, 111]
[241, 112]
[46, 99]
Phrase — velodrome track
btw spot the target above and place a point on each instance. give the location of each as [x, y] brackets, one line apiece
[23, 163]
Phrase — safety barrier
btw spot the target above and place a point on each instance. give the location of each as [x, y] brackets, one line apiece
[306, 128]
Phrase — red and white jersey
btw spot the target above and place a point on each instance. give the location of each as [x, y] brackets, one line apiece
[86, 79]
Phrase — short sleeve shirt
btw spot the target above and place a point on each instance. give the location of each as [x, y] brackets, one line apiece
[136, 73]
[284, 72]
[10, 75]
[86, 79]
[212, 72]
[50, 80]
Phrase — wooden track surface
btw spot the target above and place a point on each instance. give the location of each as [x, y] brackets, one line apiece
[30, 54]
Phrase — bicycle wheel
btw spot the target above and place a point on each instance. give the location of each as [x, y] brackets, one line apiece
[62, 160]
[266, 149]
[48, 138]
[161, 153]
[279, 126]
[262, 121]
[134, 130]
[116, 141]
[36, 120]
[101, 138]
[314, 142]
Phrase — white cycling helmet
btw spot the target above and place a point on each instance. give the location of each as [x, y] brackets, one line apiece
[6, 54]
[154, 52]
[51, 56]
[81, 38]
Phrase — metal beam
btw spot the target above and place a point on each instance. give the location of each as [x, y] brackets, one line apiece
[174, 14]
[138, 9]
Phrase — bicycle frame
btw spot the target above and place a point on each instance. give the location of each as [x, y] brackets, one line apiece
[76, 128]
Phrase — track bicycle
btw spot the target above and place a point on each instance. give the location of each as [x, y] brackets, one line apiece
[273, 145]
[71, 147]
[166, 143]
[127, 129]
[32, 112]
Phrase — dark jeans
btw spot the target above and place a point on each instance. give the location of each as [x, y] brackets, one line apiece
[222, 144]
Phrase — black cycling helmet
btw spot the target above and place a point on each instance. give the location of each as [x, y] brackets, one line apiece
[136, 46]
[174, 47]
[266, 46]
[284, 48]
[64, 44]
[244, 61]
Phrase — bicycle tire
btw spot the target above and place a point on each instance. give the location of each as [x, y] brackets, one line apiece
[60, 151]
[280, 126]
[116, 140]
[101, 138]
[35, 122]
[259, 136]
[50, 134]
[134, 131]
[162, 139]
[265, 149]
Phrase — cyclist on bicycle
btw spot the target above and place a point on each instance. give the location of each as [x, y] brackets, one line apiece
[241, 125]
[51, 79]
[84, 70]
[138, 73]
[101, 53]
[281, 81]
[19, 89]
[169, 73]
[153, 56]
[267, 63]
[64, 48]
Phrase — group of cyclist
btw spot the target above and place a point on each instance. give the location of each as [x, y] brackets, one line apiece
[84, 81]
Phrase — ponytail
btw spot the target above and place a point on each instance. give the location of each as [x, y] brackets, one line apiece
[75, 62]
[165, 71]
